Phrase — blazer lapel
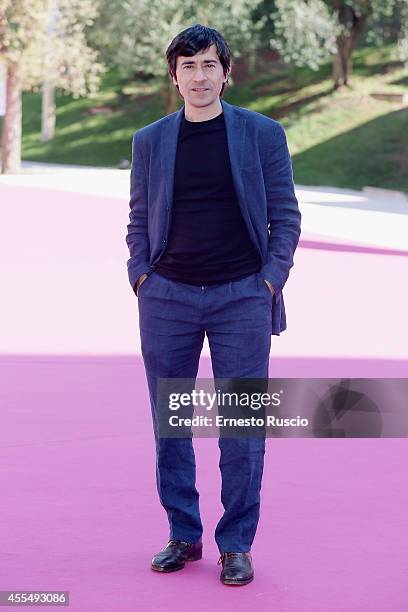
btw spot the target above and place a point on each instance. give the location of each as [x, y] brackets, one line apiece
[168, 150]
[235, 124]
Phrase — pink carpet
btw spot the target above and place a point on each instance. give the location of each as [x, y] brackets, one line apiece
[79, 507]
[80, 512]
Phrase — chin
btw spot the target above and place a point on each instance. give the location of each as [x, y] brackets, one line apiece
[205, 101]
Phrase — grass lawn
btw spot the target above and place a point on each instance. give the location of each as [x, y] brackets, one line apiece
[341, 139]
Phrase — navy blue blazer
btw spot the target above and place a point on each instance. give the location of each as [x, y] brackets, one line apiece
[263, 179]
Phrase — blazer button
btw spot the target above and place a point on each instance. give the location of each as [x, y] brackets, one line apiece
[164, 241]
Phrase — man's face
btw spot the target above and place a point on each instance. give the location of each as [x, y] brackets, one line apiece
[200, 77]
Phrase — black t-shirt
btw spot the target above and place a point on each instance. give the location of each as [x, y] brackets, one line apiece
[208, 239]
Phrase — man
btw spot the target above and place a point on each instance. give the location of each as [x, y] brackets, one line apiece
[214, 224]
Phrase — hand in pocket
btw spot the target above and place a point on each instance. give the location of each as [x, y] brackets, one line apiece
[268, 284]
[140, 282]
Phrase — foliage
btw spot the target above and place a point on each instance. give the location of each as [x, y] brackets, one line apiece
[47, 39]
[306, 30]
[134, 37]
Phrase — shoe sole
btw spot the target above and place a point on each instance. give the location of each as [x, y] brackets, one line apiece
[236, 582]
[163, 570]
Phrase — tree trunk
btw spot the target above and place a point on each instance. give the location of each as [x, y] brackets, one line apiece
[171, 96]
[342, 64]
[346, 42]
[11, 137]
[48, 111]
[48, 88]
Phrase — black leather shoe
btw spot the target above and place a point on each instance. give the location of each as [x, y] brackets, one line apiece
[237, 568]
[174, 555]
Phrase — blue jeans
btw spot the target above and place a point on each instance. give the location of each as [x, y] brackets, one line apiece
[237, 318]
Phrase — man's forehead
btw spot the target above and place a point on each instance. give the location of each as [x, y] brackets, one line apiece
[206, 54]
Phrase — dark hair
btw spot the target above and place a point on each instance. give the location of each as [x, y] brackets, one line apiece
[194, 39]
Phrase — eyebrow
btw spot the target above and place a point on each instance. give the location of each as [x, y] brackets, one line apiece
[193, 62]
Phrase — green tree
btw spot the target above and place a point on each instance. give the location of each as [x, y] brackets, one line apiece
[308, 33]
[34, 52]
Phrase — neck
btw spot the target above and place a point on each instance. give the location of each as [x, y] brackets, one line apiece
[193, 113]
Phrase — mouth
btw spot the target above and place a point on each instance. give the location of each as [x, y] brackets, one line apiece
[200, 89]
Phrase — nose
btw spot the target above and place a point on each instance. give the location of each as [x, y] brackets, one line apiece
[199, 75]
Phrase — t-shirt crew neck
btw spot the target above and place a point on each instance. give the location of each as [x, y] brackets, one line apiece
[205, 122]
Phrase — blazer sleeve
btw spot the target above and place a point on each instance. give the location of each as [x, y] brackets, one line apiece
[282, 208]
[137, 237]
